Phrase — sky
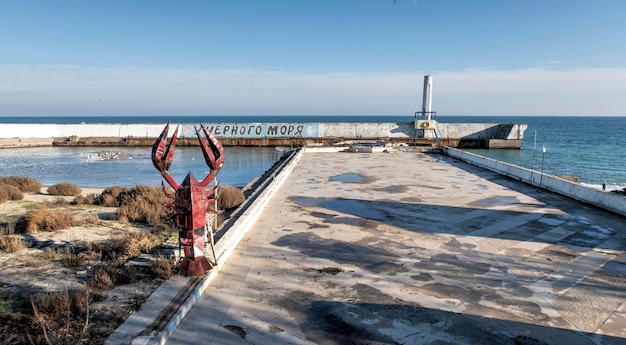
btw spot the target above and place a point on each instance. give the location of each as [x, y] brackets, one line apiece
[312, 57]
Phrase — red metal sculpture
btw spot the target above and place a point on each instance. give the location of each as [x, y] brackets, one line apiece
[192, 199]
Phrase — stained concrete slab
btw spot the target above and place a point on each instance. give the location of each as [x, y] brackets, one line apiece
[420, 249]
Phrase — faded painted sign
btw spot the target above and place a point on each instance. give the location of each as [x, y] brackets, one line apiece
[257, 130]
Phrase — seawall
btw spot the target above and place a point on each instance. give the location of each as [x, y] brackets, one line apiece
[610, 201]
[461, 135]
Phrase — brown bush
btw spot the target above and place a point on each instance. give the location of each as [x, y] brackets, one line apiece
[132, 244]
[110, 197]
[89, 199]
[163, 268]
[61, 312]
[11, 244]
[25, 184]
[64, 189]
[229, 197]
[10, 192]
[44, 219]
[71, 259]
[143, 204]
[102, 280]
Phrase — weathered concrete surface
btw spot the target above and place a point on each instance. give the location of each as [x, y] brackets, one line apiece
[411, 248]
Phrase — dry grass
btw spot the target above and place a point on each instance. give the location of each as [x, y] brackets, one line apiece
[132, 244]
[44, 219]
[71, 259]
[28, 322]
[61, 316]
[25, 184]
[163, 268]
[229, 197]
[11, 244]
[143, 204]
[64, 189]
[9, 192]
[100, 265]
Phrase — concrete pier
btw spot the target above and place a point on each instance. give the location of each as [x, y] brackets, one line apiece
[414, 248]
[462, 135]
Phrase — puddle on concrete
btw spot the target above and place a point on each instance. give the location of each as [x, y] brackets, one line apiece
[349, 178]
[359, 208]
[394, 189]
[497, 201]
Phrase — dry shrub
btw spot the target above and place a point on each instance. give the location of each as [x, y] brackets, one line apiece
[143, 204]
[44, 219]
[89, 199]
[127, 275]
[61, 316]
[102, 280]
[163, 268]
[64, 189]
[71, 259]
[9, 192]
[132, 244]
[9, 227]
[90, 219]
[110, 197]
[229, 197]
[25, 184]
[60, 201]
[52, 253]
[11, 244]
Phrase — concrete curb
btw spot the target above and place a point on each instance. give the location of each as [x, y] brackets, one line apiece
[252, 208]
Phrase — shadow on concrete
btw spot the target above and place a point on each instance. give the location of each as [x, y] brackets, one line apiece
[587, 228]
[463, 273]
[378, 318]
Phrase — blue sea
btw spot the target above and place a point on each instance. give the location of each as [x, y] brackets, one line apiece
[592, 148]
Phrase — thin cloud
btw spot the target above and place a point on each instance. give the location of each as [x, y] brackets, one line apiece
[129, 90]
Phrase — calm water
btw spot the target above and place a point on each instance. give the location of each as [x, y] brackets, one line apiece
[51, 165]
[592, 148]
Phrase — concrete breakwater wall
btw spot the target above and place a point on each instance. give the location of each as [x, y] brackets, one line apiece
[477, 135]
[609, 201]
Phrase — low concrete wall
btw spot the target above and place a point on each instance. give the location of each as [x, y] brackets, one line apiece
[609, 201]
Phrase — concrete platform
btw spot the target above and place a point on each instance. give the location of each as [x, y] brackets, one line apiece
[414, 248]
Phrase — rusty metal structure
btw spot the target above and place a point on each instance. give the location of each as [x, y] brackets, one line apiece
[192, 199]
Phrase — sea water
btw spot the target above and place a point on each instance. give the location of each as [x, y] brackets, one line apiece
[590, 147]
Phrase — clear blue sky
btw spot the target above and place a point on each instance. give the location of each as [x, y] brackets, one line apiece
[244, 57]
